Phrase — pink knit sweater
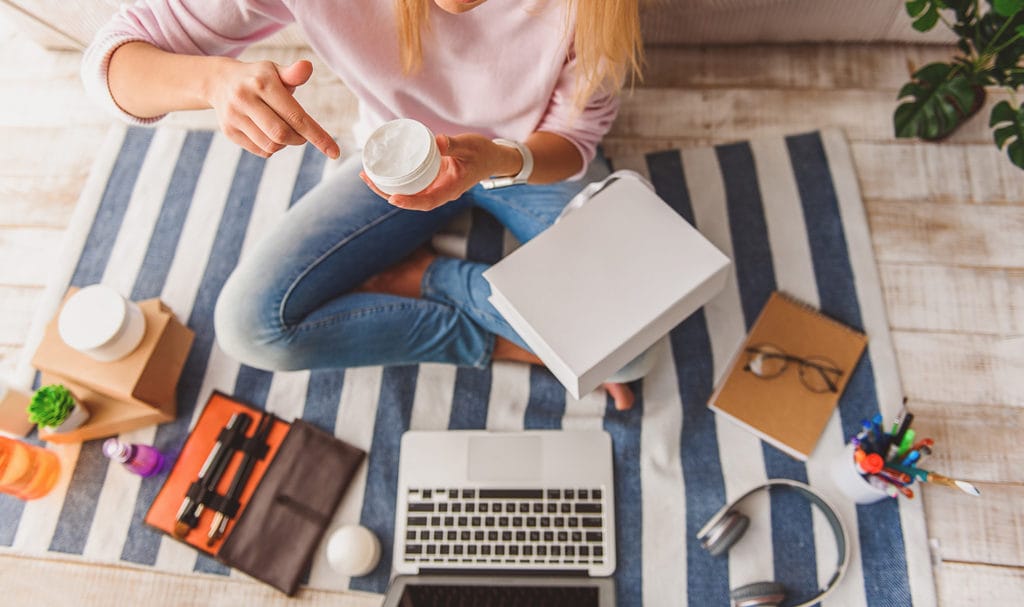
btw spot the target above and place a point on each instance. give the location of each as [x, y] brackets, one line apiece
[503, 69]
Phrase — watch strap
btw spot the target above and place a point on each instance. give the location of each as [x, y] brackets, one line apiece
[520, 178]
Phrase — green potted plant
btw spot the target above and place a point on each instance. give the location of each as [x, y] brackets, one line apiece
[54, 409]
[942, 96]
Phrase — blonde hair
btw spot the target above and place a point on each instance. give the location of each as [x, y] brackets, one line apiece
[606, 41]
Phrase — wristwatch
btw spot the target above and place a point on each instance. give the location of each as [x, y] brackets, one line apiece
[522, 177]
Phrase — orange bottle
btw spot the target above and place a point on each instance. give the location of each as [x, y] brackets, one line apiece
[27, 471]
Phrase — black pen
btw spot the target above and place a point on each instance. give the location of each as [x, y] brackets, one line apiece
[894, 444]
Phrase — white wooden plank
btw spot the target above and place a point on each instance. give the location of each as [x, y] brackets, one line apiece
[32, 581]
[806, 66]
[9, 356]
[16, 312]
[914, 171]
[949, 234]
[918, 171]
[952, 299]
[1015, 280]
[29, 255]
[961, 368]
[989, 529]
[967, 585]
[740, 113]
[972, 442]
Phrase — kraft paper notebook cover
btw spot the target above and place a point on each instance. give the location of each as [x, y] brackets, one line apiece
[781, 409]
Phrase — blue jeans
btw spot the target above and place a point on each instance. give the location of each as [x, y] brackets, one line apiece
[288, 305]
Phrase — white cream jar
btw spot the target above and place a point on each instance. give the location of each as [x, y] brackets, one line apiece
[102, 324]
[401, 157]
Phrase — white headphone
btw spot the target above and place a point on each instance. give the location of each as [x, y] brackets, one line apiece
[727, 525]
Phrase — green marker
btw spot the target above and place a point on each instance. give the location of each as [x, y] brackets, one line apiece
[906, 443]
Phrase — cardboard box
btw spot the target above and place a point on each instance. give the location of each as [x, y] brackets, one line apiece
[606, 282]
[13, 411]
[136, 391]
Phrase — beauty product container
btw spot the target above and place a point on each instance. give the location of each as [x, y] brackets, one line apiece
[401, 157]
[27, 471]
[140, 459]
[353, 550]
[102, 324]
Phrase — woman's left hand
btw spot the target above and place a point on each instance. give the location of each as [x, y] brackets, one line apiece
[465, 161]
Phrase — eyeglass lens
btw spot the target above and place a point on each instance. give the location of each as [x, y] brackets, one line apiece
[818, 374]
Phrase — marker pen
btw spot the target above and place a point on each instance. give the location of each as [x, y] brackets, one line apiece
[911, 457]
[905, 444]
[871, 464]
[895, 476]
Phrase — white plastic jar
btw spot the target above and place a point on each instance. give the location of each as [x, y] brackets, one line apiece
[101, 323]
[401, 157]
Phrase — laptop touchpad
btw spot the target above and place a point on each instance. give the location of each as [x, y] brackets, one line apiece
[505, 458]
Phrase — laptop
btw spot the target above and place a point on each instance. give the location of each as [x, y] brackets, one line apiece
[504, 518]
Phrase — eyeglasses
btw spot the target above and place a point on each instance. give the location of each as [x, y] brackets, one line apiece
[817, 373]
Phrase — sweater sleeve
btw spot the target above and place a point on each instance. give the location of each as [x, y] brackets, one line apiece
[188, 27]
[583, 127]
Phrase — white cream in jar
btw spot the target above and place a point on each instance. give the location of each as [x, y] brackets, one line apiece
[401, 157]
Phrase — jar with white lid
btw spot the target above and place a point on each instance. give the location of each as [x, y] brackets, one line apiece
[401, 157]
[101, 323]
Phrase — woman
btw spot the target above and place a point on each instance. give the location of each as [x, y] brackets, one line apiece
[345, 279]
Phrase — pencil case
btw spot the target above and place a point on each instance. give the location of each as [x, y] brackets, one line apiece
[285, 506]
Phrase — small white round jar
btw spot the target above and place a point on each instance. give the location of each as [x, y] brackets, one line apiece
[353, 550]
[102, 324]
[401, 157]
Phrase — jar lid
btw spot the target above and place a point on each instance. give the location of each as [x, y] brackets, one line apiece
[92, 317]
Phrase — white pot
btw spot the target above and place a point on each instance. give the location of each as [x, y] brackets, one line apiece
[78, 416]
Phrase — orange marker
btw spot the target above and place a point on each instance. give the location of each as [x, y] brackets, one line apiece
[871, 464]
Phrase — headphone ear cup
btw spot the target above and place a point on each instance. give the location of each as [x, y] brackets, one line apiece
[735, 524]
[758, 593]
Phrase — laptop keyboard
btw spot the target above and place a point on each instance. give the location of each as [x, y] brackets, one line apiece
[540, 527]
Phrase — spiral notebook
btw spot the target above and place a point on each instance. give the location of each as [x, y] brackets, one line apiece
[787, 377]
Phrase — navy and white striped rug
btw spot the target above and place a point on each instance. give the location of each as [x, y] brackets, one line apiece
[166, 213]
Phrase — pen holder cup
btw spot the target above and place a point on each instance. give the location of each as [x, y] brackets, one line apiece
[851, 482]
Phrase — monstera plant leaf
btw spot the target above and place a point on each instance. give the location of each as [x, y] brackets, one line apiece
[1007, 8]
[938, 99]
[925, 13]
[1009, 131]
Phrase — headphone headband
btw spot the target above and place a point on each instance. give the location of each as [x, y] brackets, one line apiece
[834, 522]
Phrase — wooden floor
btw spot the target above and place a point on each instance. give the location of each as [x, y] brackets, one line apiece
[947, 224]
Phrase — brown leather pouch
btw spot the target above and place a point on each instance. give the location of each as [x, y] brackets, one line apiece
[284, 521]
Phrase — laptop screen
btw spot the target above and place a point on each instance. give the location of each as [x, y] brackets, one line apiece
[454, 595]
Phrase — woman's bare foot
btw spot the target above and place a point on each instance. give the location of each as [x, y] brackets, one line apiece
[404, 278]
[506, 350]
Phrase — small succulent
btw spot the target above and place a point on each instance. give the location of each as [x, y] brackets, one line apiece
[50, 405]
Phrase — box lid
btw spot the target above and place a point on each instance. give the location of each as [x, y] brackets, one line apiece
[603, 284]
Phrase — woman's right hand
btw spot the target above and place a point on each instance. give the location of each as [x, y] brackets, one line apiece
[257, 110]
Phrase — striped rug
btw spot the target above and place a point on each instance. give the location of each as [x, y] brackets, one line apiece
[166, 213]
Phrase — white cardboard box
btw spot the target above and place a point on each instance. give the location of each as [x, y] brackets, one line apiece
[606, 282]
